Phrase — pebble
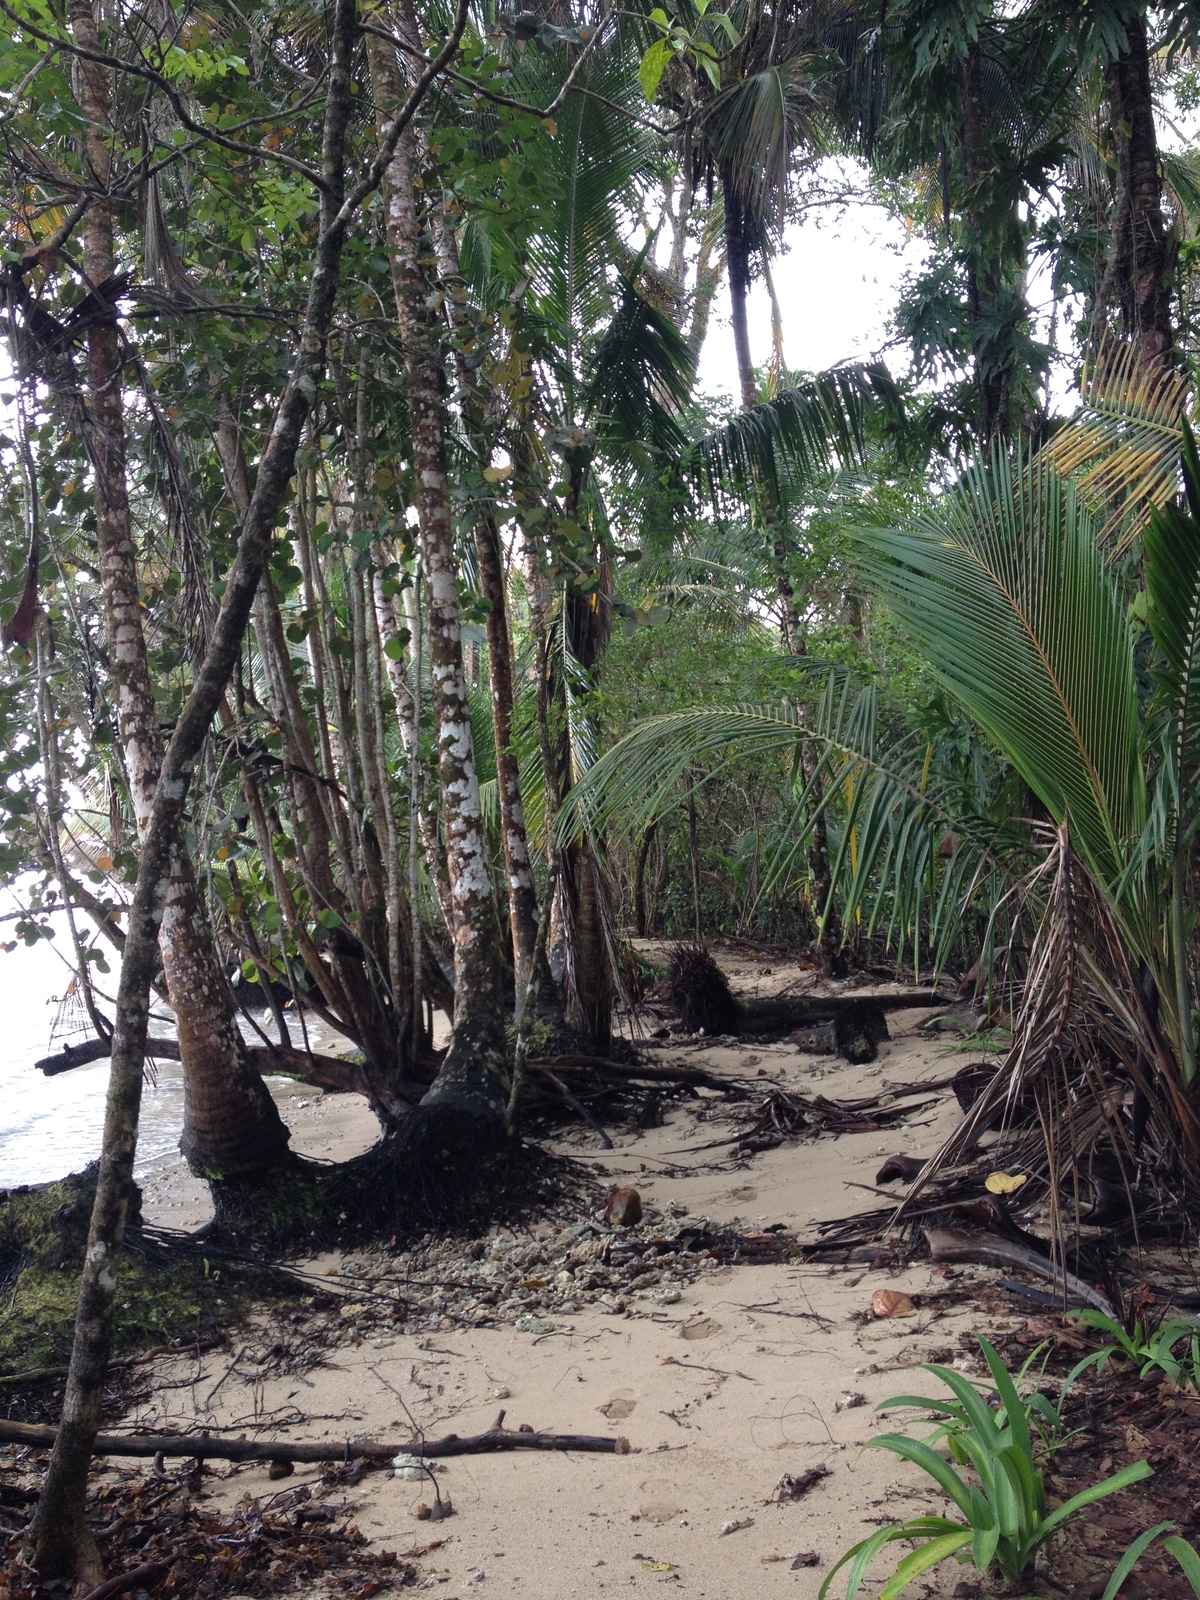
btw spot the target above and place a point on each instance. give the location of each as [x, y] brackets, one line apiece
[534, 1325]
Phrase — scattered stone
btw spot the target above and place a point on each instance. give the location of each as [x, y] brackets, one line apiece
[534, 1325]
[850, 1402]
[736, 1527]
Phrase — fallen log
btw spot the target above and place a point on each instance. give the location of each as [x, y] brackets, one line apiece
[950, 1245]
[706, 1004]
[212, 1447]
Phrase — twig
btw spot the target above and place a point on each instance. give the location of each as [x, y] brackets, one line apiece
[209, 1447]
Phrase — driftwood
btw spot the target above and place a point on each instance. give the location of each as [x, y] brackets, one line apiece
[988, 1250]
[211, 1447]
[705, 1003]
[323, 1072]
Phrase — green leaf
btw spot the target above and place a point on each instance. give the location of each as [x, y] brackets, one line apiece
[942, 1473]
[1131, 1557]
[1187, 1559]
[1134, 1473]
[394, 647]
[1003, 590]
[929, 1555]
[653, 65]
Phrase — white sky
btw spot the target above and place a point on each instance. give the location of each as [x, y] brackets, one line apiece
[837, 280]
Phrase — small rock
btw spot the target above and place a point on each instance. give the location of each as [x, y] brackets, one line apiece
[736, 1527]
[534, 1325]
[668, 1297]
[850, 1402]
[280, 1469]
[806, 1558]
[501, 1392]
[408, 1468]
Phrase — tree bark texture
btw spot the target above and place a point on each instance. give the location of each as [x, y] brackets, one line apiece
[230, 1122]
[1142, 250]
[470, 1083]
[58, 1543]
[522, 893]
[990, 386]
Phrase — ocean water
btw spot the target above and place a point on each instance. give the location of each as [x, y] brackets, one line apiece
[52, 1126]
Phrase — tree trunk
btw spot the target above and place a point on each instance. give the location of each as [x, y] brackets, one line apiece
[470, 1086]
[1142, 251]
[522, 894]
[982, 283]
[737, 263]
[58, 1542]
[737, 260]
[230, 1122]
[640, 925]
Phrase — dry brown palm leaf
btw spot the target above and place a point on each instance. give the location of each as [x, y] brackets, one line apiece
[1122, 448]
[1082, 1036]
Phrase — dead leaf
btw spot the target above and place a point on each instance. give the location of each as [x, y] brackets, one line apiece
[1004, 1182]
[1137, 1444]
[891, 1303]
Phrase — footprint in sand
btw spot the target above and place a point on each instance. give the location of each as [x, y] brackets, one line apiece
[700, 1328]
[744, 1193]
[619, 1407]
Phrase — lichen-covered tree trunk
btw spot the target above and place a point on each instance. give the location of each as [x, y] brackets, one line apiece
[470, 1084]
[230, 1122]
[522, 893]
[58, 1543]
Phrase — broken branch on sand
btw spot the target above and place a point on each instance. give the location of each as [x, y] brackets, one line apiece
[210, 1447]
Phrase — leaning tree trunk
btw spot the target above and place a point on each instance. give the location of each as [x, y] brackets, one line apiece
[230, 1122]
[1141, 266]
[58, 1542]
[469, 1090]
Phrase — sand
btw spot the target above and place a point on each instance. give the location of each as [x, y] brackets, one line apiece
[743, 1380]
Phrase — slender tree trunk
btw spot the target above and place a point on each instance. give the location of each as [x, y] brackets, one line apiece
[982, 285]
[522, 894]
[1142, 252]
[737, 260]
[58, 1542]
[640, 925]
[230, 1122]
[470, 1086]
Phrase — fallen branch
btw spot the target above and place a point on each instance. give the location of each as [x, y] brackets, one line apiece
[948, 1244]
[210, 1447]
[138, 1577]
[322, 1072]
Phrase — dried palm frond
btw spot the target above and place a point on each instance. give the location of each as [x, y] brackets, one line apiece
[1083, 1041]
[1122, 448]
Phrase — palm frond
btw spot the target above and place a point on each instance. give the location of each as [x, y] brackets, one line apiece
[796, 436]
[1123, 446]
[1003, 590]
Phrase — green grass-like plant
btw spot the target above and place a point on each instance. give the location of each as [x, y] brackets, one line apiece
[1149, 1349]
[1004, 1519]
[1179, 1548]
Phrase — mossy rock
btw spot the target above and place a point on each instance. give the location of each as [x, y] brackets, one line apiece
[162, 1296]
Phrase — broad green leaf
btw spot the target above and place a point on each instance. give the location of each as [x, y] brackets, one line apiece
[653, 65]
